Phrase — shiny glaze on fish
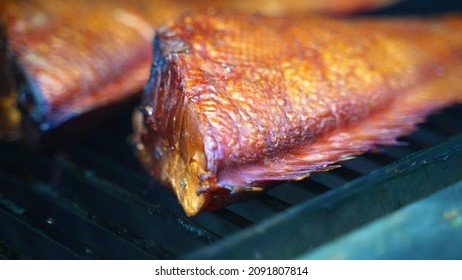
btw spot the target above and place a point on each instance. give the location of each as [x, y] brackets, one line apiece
[237, 102]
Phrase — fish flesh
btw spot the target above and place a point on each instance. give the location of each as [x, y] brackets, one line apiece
[236, 102]
[75, 57]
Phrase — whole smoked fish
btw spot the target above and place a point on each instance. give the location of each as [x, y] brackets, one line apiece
[237, 102]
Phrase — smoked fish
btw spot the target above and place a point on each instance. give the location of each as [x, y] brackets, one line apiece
[74, 57]
[238, 102]
[70, 58]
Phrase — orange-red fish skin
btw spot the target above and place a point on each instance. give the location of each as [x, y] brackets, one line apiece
[236, 101]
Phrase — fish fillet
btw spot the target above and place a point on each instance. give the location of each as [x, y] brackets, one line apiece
[76, 56]
[72, 56]
[238, 102]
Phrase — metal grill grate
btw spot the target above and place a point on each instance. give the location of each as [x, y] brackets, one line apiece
[93, 200]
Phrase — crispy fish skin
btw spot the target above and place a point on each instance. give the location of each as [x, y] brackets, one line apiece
[236, 102]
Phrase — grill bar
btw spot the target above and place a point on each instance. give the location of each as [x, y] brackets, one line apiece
[29, 241]
[148, 247]
[40, 221]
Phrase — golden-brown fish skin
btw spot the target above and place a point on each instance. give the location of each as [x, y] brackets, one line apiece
[235, 101]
